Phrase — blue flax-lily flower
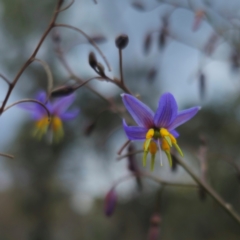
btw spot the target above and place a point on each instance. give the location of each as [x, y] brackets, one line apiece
[58, 111]
[156, 128]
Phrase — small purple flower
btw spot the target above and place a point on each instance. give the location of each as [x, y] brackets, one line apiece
[158, 127]
[110, 202]
[58, 111]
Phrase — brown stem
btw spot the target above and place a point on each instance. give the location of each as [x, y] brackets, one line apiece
[5, 79]
[7, 155]
[29, 100]
[88, 38]
[28, 62]
[120, 66]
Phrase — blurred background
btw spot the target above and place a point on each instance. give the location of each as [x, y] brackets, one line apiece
[56, 191]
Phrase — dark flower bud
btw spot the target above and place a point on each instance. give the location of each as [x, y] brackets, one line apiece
[154, 229]
[56, 36]
[98, 39]
[110, 202]
[92, 60]
[63, 91]
[100, 70]
[202, 85]
[121, 41]
[152, 74]
[139, 6]
[147, 43]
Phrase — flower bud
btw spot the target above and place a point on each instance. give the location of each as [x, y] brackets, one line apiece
[92, 60]
[100, 70]
[154, 229]
[56, 36]
[147, 43]
[63, 91]
[121, 41]
[110, 202]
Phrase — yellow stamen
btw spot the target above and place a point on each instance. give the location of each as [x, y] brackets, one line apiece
[164, 132]
[57, 128]
[165, 146]
[41, 127]
[150, 134]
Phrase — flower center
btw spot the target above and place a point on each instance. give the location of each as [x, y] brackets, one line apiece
[165, 140]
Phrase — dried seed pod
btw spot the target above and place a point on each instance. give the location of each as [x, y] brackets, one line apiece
[152, 74]
[92, 60]
[63, 91]
[100, 70]
[121, 41]
[147, 43]
[56, 37]
[154, 229]
[139, 6]
[202, 85]
[132, 165]
[110, 202]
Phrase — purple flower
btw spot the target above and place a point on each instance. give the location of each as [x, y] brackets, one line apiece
[156, 128]
[58, 111]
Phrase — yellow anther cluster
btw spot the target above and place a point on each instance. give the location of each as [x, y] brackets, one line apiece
[56, 123]
[150, 134]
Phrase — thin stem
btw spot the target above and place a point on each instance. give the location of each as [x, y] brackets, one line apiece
[120, 66]
[5, 79]
[28, 62]
[123, 147]
[76, 78]
[68, 6]
[7, 155]
[48, 72]
[29, 100]
[86, 36]
[226, 206]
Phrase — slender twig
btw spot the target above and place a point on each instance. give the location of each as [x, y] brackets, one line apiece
[7, 155]
[153, 178]
[31, 101]
[30, 59]
[86, 36]
[123, 147]
[226, 206]
[73, 75]
[48, 72]
[5, 79]
[120, 66]
[65, 8]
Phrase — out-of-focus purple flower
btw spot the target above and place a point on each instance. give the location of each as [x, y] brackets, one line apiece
[58, 111]
[110, 202]
[156, 128]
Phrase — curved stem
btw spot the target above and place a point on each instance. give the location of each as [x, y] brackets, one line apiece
[86, 36]
[7, 155]
[226, 206]
[5, 79]
[65, 8]
[30, 59]
[29, 100]
[48, 72]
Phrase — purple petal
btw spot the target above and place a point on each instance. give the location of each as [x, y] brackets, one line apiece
[141, 113]
[183, 116]
[134, 132]
[69, 115]
[174, 133]
[41, 96]
[166, 112]
[36, 110]
[61, 105]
